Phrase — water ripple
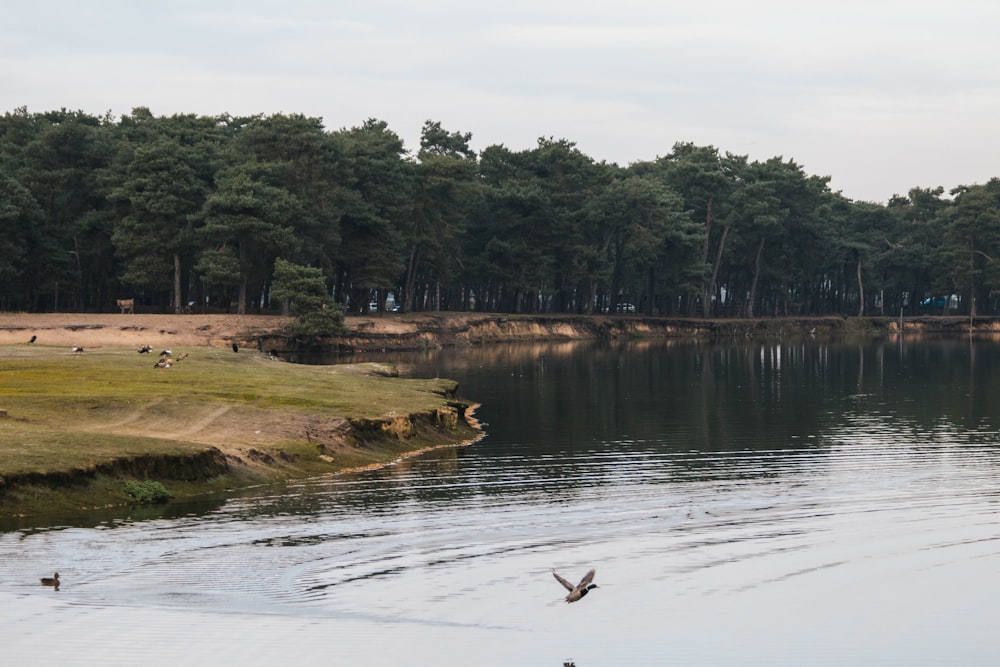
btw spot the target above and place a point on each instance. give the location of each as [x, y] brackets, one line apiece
[713, 545]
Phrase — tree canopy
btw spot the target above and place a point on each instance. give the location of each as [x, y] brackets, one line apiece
[222, 213]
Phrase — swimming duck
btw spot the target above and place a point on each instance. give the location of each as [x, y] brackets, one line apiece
[581, 589]
[51, 581]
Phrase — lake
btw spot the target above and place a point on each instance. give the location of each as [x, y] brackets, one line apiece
[743, 502]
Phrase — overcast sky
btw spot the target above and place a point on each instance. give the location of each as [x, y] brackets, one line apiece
[881, 95]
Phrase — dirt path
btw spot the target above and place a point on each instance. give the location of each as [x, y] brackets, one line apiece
[131, 418]
[201, 423]
[113, 330]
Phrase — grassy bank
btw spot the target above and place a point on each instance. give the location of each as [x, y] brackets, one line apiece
[75, 427]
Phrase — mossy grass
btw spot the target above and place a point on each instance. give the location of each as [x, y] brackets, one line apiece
[27, 446]
[69, 413]
[57, 382]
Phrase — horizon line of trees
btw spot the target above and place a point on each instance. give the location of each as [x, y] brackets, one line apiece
[192, 212]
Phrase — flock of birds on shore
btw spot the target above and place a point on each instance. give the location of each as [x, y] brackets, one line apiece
[165, 361]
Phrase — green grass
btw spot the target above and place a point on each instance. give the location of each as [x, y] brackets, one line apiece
[73, 414]
[95, 380]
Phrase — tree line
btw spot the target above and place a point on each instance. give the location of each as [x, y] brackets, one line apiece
[192, 213]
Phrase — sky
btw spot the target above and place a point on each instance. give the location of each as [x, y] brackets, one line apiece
[880, 95]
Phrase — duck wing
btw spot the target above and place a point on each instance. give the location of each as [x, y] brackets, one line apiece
[587, 578]
[570, 587]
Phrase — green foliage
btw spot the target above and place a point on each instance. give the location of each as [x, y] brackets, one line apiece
[444, 184]
[19, 216]
[375, 207]
[316, 315]
[145, 492]
[251, 212]
[159, 181]
[198, 208]
[219, 266]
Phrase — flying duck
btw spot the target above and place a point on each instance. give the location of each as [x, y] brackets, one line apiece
[581, 589]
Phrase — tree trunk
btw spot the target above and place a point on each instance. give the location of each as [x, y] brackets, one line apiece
[707, 297]
[650, 304]
[861, 290]
[972, 283]
[178, 301]
[709, 219]
[707, 290]
[756, 275]
[241, 305]
[411, 277]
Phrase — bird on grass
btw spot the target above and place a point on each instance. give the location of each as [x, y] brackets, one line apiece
[236, 348]
[144, 349]
[51, 581]
[581, 589]
[77, 349]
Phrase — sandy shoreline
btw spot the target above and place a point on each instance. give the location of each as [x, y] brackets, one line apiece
[115, 330]
[414, 331]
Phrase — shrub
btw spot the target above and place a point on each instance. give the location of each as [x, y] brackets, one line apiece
[146, 492]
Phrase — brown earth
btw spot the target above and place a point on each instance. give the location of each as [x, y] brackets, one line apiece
[368, 333]
[114, 330]
[422, 330]
[392, 331]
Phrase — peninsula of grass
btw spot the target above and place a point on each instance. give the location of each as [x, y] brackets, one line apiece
[79, 430]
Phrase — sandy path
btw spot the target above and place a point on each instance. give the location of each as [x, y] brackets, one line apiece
[113, 330]
[201, 423]
[132, 417]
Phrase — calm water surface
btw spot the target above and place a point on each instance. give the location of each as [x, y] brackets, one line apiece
[751, 503]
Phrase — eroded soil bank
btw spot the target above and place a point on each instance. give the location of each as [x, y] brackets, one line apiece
[361, 444]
